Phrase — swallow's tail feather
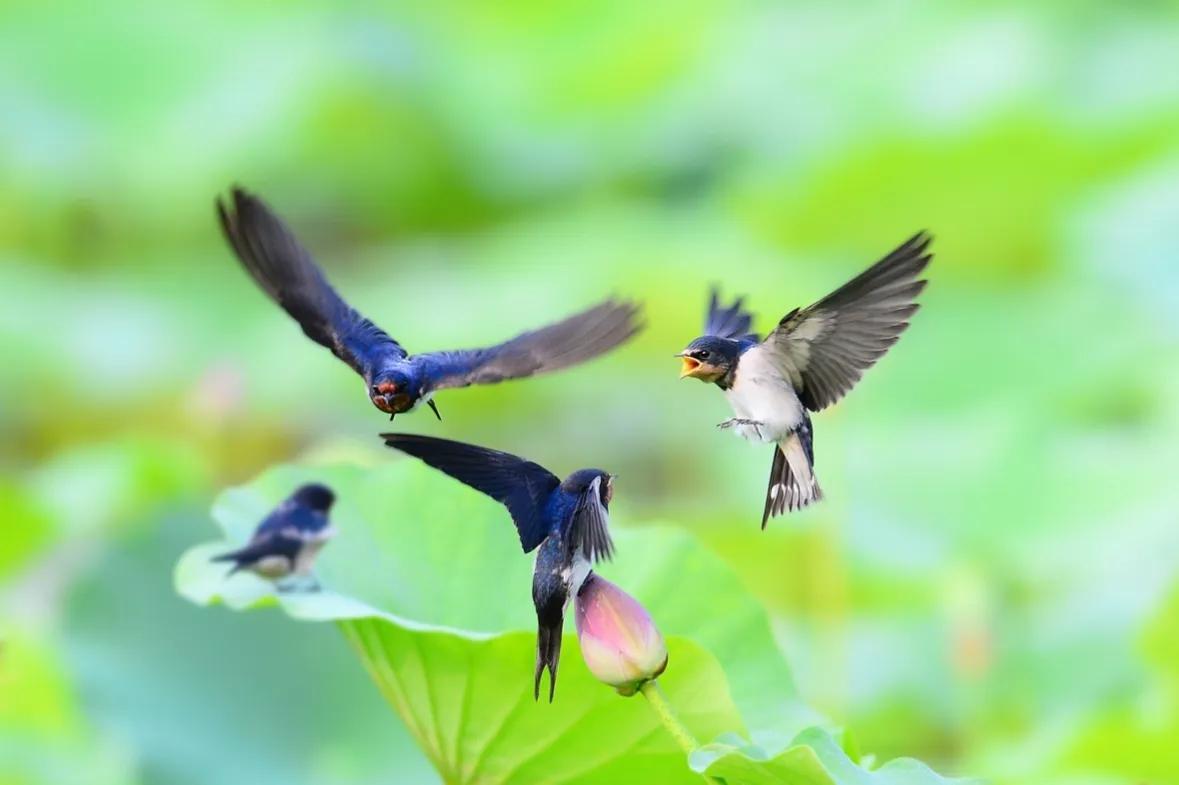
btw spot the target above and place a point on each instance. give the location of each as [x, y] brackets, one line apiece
[793, 484]
[548, 654]
[231, 556]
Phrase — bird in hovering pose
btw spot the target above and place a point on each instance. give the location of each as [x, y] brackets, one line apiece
[396, 381]
[287, 540]
[808, 362]
[567, 520]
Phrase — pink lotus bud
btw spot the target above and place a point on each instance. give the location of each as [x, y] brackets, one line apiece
[619, 642]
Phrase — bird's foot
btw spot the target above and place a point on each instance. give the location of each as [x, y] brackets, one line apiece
[743, 426]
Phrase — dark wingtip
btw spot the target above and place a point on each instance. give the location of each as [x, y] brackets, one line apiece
[918, 246]
[241, 196]
[396, 440]
[229, 557]
[727, 321]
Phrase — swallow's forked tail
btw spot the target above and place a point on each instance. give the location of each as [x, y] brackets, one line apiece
[232, 556]
[793, 484]
[548, 654]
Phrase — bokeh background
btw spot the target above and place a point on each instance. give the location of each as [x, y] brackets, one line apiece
[991, 584]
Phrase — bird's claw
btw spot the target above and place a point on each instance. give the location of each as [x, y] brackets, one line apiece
[741, 422]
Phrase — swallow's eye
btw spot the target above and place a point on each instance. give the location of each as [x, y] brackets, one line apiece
[699, 355]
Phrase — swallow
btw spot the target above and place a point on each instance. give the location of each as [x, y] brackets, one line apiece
[396, 381]
[565, 521]
[807, 362]
[287, 540]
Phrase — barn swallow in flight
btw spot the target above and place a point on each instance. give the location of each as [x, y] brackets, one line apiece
[567, 520]
[396, 381]
[287, 540]
[806, 363]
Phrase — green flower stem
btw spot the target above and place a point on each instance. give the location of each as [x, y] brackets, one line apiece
[666, 715]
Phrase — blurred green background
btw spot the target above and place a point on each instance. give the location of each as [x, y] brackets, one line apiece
[991, 585]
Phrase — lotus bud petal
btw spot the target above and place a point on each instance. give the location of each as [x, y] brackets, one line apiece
[620, 644]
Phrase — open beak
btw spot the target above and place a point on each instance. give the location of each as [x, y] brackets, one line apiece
[688, 365]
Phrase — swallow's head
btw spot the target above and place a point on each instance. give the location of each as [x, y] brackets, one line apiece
[708, 358]
[580, 480]
[391, 392]
[317, 497]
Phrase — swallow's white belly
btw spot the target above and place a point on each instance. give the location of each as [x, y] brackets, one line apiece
[305, 560]
[272, 567]
[422, 399]
[760, 392]
[575, 574]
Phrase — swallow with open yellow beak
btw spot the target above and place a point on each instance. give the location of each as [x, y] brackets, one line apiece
[807, 362]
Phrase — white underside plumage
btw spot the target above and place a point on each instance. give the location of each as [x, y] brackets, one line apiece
[272, 567]
[761, 393]
[422, 399]
[575, 575]
[572, 575]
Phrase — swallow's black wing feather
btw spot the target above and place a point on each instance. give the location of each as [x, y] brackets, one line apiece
[270, 544]
[574, 340]
[521, 486]
[286, 272]
[733, 322]
[590, 525]
[292, 520]
[824, 349]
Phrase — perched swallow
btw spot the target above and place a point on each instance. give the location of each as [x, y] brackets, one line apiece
[396, 381]
[806, 363]
[567, 521]
[289, 538]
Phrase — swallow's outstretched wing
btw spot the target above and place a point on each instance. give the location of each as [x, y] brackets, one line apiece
[521, 486]
[285, 270]
[589, 528]
[733, 322]
[574, 340]
[825, 348]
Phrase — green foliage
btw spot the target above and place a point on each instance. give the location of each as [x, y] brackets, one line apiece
[427, 583]
[812, 758]
[1000, 520]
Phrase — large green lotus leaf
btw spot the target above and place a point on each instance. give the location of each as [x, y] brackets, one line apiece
[415, 544]
[427, 581]
[812, 758]
[469, 703]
